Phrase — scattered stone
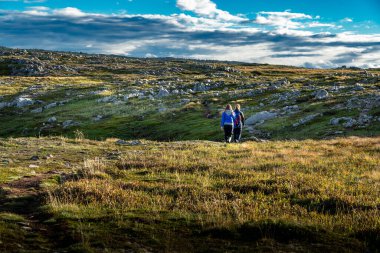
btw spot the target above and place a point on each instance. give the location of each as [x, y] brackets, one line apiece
[259, 117]
[33, 166]
[321, 94]
[69, 123]
[23, 102]
[51, 105]
[306, 119]
[358, 87]
[98, 118]
[37, 110]
[52, 119]
[128, 143]
[163, 93]
[109, 99]
[34, 158]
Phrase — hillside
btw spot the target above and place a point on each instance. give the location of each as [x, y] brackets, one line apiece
[103, 153]
[56, 93]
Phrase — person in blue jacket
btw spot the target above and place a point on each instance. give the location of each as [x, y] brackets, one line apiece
[227, 123]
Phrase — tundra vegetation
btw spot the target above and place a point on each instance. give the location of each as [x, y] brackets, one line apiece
[115, 154]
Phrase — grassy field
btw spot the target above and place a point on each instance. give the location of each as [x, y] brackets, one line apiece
[79, 195]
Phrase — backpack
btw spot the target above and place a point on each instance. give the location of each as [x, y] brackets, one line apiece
[237, 121]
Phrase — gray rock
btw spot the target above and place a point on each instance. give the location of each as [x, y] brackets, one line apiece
[37, 110]
[261, 116]
[52, 119]
[69, 123]
[98, 118]
[347, 121]
[163, 93]
[51, 105]
[358, 87]
[128, 143]
[162, 109]
[109, 99]
[3, 105]
[321, 94]
[23, 102]
[306, 119]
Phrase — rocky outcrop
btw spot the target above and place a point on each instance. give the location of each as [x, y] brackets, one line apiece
[260, 117]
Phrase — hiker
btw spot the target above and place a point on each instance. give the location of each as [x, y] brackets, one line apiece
[227, 123]
[238, 123]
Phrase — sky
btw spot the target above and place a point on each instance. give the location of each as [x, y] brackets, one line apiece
[308, 33]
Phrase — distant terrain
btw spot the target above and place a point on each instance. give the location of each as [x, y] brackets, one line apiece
[103, 153]
[56, 93]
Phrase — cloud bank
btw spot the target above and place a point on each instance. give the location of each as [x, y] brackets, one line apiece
[201, 31]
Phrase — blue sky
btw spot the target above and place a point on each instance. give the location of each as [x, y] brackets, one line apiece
[292, 32]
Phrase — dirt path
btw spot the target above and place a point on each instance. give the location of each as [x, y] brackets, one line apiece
[25, 197]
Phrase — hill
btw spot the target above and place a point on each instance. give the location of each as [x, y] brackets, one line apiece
[56, 93]
[103, 153]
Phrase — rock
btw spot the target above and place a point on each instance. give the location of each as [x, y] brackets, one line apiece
[185, 101]
[98, 118]
[109, 99]
[69, 123]
[23, 101]
[321, 94]
[51, 105]
[261, 116]
[347, 121]
[3, 105]
[162, 109]
[34, 158]
[364, 119]
[33, 166]
[49, 156]
[306, 119]
[52, 119]
[163, 93]
[200, 87]
[128, 143]
[291, 109]
[37, 110]
[358, 87]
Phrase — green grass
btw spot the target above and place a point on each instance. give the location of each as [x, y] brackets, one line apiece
[278, 196]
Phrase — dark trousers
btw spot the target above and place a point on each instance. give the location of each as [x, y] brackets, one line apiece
[228, 133]
[237, 133]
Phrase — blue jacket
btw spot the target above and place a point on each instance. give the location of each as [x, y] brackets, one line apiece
[228, 118]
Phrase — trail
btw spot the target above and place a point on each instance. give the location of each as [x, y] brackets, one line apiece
[25, 197]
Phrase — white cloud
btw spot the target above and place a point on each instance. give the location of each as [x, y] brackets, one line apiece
[283, 38]
[347, 20]
[282, 20]
[69, 12]
[37, 11]
[207, 8]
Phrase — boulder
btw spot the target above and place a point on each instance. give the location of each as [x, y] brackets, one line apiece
[358, 87]
[128, 143]
[37, 110]
[306, 119]
[321, 94]
[69, 123]
[3, 105]
[108, 99]
[52, 119]
[260, 116]
[51, 105]
[347, 121]
[23, 101]
[163, 93]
